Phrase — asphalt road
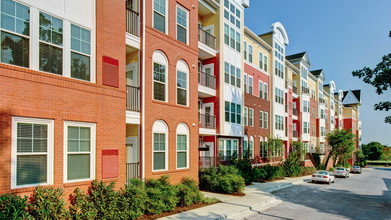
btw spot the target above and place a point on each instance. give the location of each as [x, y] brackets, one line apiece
[361, 196]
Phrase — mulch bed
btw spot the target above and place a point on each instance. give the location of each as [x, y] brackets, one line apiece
[176, 211]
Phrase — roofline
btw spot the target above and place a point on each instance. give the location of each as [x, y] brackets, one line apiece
[293, 67]
[257, 38]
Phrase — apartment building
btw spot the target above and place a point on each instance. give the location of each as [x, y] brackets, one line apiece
[61, 100]
[256, 80]
[351, 113]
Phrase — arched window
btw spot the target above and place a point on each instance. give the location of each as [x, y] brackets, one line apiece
[265, 146]
[160, 76]
[245, 147]
[182, 83]
[182, 146]
[251, 147]
[262, 150]
[160, 146]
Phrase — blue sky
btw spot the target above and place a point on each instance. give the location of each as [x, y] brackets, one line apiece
[340, 37]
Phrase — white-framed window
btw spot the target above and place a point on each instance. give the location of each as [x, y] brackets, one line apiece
[245, 50]
[159, 146]
[80, 53]
[79, 151]
[306, 129]
[182, 83]
[251, 117]
[238, 42]
[261, 148]
[238, 76]
[182, 149]
[250, 53]
[15, 33]
[160, 15]
[245, 82]
[50, 44]
[265, 91]
[265, 120]
[232, 37]
[31, 152]
[226, 72]
[226, 34]
[265, 63]
[160, 76]
[250, 85]
[245, 116]
[261, 119]
[260, 87]
[260, 60]
[227, 148]
[233, 112]
[251, 147]
[182, 27]
[233, 75]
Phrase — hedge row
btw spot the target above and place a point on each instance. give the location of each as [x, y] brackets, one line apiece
[102, 201]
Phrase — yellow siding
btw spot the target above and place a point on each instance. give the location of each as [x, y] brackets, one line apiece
[256, 49]
[212, 19]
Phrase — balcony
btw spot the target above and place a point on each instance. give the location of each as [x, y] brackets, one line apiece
[132, 171]
[295, 112]
[206, 85]
[305, 90]
[132, 26]
[294, 89]
[206, 44]
[207, 124]
[132, 105]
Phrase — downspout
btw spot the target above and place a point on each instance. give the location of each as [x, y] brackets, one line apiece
[143, 91]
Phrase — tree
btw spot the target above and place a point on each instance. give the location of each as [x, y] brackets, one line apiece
[342, 142]
[387, 154]
[373, 150]
[275, 145]
[380, 78]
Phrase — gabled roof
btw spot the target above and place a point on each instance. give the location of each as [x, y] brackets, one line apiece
[296, 56]
[270, 32]
[351, 97]
[318, 73]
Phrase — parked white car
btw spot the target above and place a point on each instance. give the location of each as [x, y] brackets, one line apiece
[323, 176]
[356, 169]
[341, 171]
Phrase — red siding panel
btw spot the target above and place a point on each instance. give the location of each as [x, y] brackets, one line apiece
[110, 72]
[109, 164]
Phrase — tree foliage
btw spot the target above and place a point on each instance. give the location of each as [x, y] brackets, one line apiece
[275, 145]
[373, 150]
[342, 144]
[380, 78]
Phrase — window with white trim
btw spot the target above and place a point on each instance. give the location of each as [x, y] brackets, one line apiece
[15, 33]
[80, 52]
[250, 53]
[227, 148]
[251, 117]
[245, 82]
[32, 152]
[265, 120]
[238, 42]
[226, 34]
[260, 60]
[233, 75]
[260, 87]
[233, 112]
[79, 151]
[226, 72]
[182, 20]
[265, 92]
[159, 15]
[261, 119]
[182, 146]
[182, 83]
[245, 50]
[160, 64]
[245, 116]
[159, 146]
[265, 63]
[232, 37]
[50, 44]
[238, 76]
[250, 85]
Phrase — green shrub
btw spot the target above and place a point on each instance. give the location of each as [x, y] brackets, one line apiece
[308, 171]
[161, 195]
[80, 206]
[246, 169]
[222, 179]
[292, 165]
[269, 172]
[133, 199]
[105, 200]
[47, 203]
[13, 207]
[188, 193]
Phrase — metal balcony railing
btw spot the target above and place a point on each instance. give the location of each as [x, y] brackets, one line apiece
[206, 38]
[295, 112]
[132, 171]
[207, 121]
[305, 90]
[207, 80]
[294, 89]
[133, 98]
[210, 161]
[132, 20]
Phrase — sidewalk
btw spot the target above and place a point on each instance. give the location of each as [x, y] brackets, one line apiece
[257, 199]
